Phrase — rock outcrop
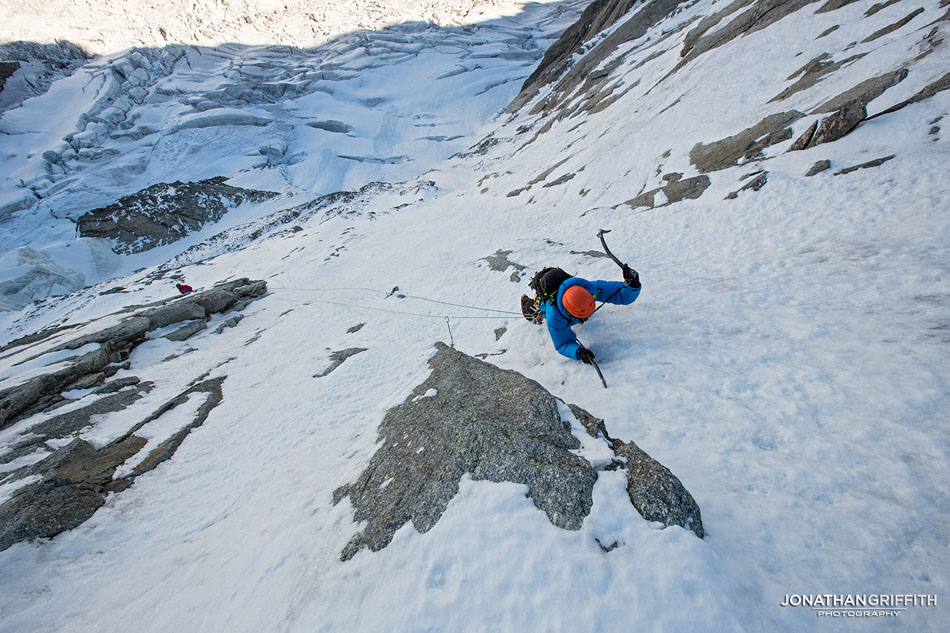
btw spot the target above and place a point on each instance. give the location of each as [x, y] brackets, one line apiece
[164, 213]
[471, 417]
[746, 145]
[115, 344]
[337, 358]
[71, 482]
[676, 189]
[830, 128]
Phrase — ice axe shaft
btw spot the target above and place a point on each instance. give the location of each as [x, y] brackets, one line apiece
[594, 363]
[600, 234]
[596, 366]
[623, 266]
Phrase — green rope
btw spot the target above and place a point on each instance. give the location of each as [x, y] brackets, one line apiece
[408, 296]
[416, 314]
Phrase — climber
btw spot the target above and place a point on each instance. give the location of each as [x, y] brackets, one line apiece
[184, 288]
[566, 301]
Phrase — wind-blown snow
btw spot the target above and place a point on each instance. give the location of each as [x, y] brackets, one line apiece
[787, 358]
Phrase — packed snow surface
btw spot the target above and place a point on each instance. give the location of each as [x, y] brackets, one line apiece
[787, 359]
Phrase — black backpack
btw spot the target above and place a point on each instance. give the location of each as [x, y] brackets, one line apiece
[545, 283]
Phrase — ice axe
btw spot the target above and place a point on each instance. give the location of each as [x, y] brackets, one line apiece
[596, 366]
[600, 234]
[594, 363]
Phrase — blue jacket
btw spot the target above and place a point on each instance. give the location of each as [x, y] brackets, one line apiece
[560, 320]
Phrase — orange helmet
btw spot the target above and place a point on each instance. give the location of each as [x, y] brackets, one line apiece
[578, 302]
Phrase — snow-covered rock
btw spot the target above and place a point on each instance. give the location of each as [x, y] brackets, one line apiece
[164, 213]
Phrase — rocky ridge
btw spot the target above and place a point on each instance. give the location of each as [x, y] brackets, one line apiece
[59, 478]
[614, 53]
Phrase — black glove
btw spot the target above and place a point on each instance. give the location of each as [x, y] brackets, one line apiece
[631, 277]
[585, 355]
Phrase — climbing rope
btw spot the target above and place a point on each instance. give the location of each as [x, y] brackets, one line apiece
[402, 295]
[415, 314]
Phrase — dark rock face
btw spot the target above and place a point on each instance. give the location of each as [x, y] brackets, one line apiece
[863, 93]
[598, 16]
[804, 140]
[116, 343]
[16, 401]
[760, 179]
[6, 70]
[893, 27]
[675, 191]
[185, 332]
[877, 162]
[656, 493]
[833, 5]
[747, 144]
[837, 125]
[73, 421]
[760, 15]
[831, 128]
[941, 84]
[166, 449]
[337, 358]
[819, 167]
[811, 73]
[77, 477]
[879, 6]
[499, 262]
[490, 423]
[164, 213]
[70, 492]
[497, 425]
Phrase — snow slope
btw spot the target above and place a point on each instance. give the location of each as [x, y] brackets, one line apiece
[787, 360]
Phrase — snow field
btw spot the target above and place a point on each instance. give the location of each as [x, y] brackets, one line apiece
[786, 360]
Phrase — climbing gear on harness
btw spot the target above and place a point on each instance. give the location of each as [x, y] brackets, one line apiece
[531, 309]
